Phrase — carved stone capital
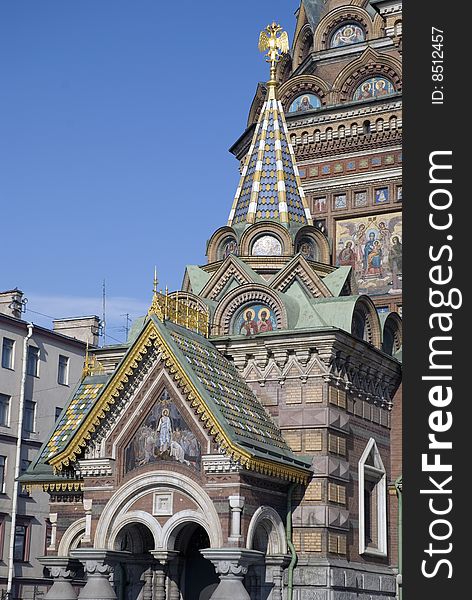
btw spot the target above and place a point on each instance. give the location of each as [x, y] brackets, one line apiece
[232, 562]
[60, 567]
[231, 565]
[98, 566]
[62, 570]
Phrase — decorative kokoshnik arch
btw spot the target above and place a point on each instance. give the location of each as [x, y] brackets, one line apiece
[248, 294]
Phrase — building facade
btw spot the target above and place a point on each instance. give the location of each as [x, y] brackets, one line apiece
[239, 444]
[53, 365]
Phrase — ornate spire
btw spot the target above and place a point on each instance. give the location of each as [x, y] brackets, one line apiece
[270, 187]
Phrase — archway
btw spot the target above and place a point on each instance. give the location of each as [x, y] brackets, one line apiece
[266, 533]
[131, 577]
[197, 578]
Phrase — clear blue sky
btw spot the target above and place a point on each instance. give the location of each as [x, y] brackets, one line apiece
[115, 121]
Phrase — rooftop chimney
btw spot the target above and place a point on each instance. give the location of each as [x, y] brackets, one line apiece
[11, 303]
[85, 329]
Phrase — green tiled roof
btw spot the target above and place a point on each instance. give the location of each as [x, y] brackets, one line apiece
[229, 398]
[72, 416]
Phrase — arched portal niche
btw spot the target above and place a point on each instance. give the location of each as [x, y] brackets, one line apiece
[192, 576]
[133, 577]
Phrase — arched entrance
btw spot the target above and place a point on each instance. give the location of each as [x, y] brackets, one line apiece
[197, 578]
[132, 576]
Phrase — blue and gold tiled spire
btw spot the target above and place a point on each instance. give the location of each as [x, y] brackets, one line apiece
[270, 187]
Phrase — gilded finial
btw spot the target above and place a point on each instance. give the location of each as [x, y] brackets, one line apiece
[91, 365]
[154, 288]
[275, 45]
[155, 308]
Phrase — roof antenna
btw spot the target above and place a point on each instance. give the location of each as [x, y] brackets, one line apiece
[104, 306]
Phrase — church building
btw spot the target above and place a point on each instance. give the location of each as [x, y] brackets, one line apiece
[239, 444]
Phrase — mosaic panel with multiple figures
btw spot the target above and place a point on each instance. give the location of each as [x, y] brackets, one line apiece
[254, 319]
[372, 246]
[375, 87]
[163, 436]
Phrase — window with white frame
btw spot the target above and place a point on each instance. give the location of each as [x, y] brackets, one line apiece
[4, 410]
[3, 473]
[372, 502]
[63, 370]
[8, 347]
[32, 362]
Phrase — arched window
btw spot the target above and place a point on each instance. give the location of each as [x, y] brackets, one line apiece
[374, 87]
[366, 128]
[372, 502]
[347, 34]
[304, 102]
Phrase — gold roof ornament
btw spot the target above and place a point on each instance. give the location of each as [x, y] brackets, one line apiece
[156, 304]
[275, 45]
[178, 308]
[91, 365]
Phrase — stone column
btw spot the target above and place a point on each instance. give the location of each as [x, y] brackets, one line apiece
[275, 565]
[162, 559]
[147, 590]
[175, 570]
[236, 504]
[98, 566]
[231, 565]
[62, 570]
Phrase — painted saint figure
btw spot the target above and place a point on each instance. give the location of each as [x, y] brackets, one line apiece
[395, 263]
[264, 324]
[374, 259]
[372, 262]
[359, 238]
[165, 431]
[249, 326]
[305, 104]
[347, 256]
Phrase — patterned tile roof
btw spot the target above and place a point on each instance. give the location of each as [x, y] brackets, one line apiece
[270, 187]
[235, 402]
[73, 415]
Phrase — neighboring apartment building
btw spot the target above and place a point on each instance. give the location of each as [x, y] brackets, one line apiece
[54, 364]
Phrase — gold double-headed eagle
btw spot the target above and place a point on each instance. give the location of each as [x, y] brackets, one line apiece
[274, 41]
